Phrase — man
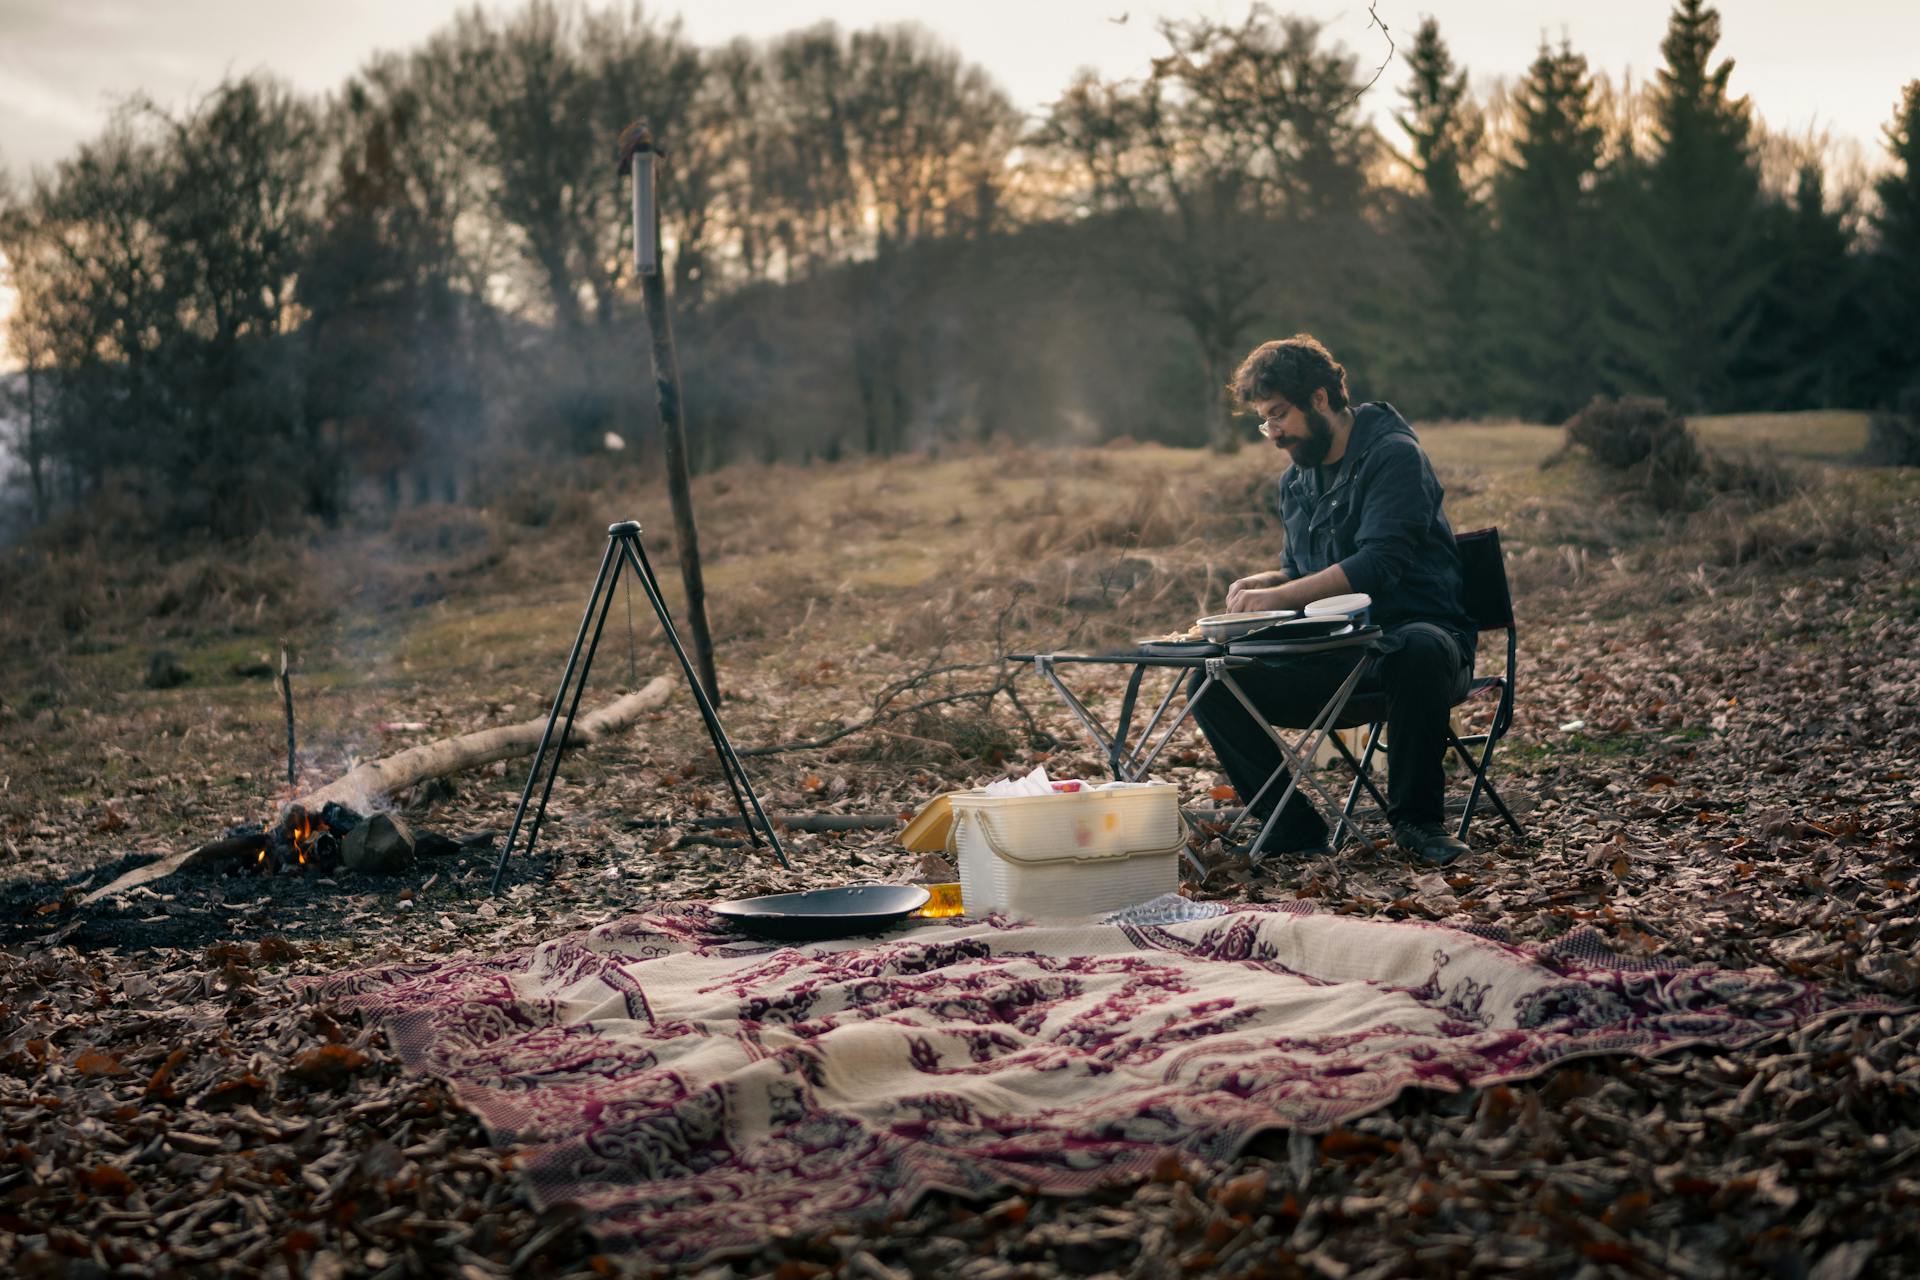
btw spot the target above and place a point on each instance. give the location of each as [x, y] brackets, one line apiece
[1362, 512]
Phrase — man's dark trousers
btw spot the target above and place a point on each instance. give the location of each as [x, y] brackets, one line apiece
[1422, 675]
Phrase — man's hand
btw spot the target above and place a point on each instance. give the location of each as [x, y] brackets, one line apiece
[1258, 601]
[1257, 584]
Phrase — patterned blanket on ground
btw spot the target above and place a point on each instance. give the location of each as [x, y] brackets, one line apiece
[691, 1090]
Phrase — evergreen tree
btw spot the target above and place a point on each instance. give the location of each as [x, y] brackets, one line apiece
[1798, 358]
[1547, 289]
[1448, 227]
[1688, 296]
[1896, 256]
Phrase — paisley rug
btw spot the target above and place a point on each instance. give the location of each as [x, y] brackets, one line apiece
[692, 1090]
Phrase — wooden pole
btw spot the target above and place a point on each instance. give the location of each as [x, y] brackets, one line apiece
[637, 149]
[286, 697]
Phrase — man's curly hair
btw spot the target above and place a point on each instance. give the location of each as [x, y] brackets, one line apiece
[1290, 368]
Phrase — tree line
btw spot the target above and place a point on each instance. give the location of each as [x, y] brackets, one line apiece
[265, 307]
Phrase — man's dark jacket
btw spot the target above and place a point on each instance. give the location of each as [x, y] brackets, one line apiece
[1379, 518]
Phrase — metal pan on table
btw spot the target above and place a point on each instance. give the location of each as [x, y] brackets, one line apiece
[1163, 647]
[1279, 637]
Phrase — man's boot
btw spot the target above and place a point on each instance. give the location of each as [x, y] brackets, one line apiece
[1429, 842]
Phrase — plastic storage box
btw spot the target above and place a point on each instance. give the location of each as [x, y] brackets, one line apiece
[1070, 854]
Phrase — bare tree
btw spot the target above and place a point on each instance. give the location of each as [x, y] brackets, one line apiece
[887, 143]
[1229, 176]
[156, 272]
[27, 339]
[540, 92]
[394, 337]
[239, 203]
[87, 261]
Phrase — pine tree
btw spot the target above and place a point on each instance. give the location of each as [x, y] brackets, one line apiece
[1546, 283]
[1688, 296]
[1896, 257]
[1448, 228]
[1799, 357]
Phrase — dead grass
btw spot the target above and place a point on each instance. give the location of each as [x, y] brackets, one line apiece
[1815, 435]
[813, 622]
[473, 610]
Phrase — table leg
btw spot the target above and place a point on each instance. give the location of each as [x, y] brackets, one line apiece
[1101, 738]
[1298, 759]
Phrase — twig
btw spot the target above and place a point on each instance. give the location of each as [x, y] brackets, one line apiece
[883, 712]
[286, 697]
[1375, 21]
[881, 716]
[1036, 736]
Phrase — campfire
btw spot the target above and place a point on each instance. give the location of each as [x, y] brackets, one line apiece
[336, 838]
[299, 841]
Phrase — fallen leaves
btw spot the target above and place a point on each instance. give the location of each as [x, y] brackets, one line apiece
[328, 1066]
[92, 1062]
[1733, 785]
[106, 1180]
[1243, 1194]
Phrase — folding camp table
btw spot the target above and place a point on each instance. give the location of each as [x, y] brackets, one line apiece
[1129, 758]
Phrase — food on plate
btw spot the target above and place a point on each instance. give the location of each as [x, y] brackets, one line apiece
[1223, 627]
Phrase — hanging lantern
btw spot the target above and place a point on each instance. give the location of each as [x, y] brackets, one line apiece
[646, 217]
[637, 153]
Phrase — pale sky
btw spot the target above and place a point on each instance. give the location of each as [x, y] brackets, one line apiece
[1833, 65]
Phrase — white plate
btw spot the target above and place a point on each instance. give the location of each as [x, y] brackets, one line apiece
[1347, 604]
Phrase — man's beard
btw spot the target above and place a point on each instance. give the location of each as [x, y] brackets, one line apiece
[1312, 451]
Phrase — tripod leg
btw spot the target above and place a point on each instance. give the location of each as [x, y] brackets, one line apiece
[644, 568]
[729, 762]
[579, 687]
[533, 774]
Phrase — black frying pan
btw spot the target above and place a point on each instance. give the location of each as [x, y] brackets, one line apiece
[825, 913]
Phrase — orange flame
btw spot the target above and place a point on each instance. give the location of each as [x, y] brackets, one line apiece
[302, 834]
[302, 831]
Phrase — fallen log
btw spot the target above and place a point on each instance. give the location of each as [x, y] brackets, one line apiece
[366, 786]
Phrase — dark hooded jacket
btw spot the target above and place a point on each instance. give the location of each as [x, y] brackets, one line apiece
[1379, 518]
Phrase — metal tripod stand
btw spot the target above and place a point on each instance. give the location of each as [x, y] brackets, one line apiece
[624, 551]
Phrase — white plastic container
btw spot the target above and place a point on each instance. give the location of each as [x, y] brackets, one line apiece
[1070, 854]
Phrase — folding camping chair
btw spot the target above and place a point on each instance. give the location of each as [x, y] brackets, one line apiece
[1490, 605]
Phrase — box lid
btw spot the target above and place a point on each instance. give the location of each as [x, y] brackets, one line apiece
[928, 831]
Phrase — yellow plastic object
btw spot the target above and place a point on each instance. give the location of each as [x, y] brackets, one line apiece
[928, 831]
[944, 901]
